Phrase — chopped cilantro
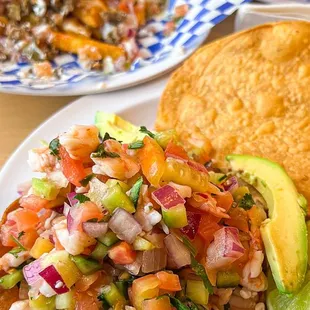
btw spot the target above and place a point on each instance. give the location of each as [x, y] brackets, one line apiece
[135, 145]
[246, 202]
[54, 147]
[189, 245]
[201, 272]
[17, 242]
[84, 182]
[222, 178]
[102, 153]
[107, 137]
[135, 191]
[81, 198]
[177, 303]
[15, 251]
[20, 234]
[146, 131]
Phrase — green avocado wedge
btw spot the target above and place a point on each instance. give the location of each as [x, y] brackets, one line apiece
[284, 233]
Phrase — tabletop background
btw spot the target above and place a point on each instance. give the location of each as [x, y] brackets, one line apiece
[20, 115]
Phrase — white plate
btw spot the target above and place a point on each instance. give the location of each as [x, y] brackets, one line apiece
[162, 54]
[141, 104]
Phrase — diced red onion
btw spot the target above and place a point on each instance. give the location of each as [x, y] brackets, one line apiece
[154, 260]
[191, 229]
[178, 252]
[59, 209]
[167, 197]
[135, 267]
[32, 272]
[71, 199]
[184, 190]
[54, 279]
[231, 184]
[66, 209]
[124, 225]
[95, 230]
[225, 249]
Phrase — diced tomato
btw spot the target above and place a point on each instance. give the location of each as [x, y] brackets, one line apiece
[176, 151]
[122, 253]
[169, 281]
[33, 202]
[86, 300]
[85, 282]
[72, 169]
[224, 200]
[191, 229]
[152, 160]
[256, 215]
[26, 219]
[161, 303]
[29, 238]
[200, 245]
[207, 227]
[144, 288]
[8, 229]
[238, 219]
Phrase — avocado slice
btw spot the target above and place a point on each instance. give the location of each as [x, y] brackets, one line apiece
[117, 127]
[284, 233]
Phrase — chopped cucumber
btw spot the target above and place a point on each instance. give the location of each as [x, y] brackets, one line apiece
[112, 295]
[225, 279]
[196, 291]
[122, 287]
[65, 301]
[44, 188]
[10, 280]
[86, 265]
[116, 198]
[42, 303]
[141, 244]
[109, 238]
[100, 251]
[175, 217]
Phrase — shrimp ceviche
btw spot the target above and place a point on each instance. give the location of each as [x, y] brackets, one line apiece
[145, 225]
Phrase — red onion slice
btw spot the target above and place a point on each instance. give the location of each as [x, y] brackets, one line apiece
[167, 197]
[54, 279]
[32, 272]
[231, 184]
[191, 229]
[177, 251]
[71, 199]
[95, 230]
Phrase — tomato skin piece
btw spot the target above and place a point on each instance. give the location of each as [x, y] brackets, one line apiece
[29, 238]
[169, 281]
[122, 254]
[26, 219]
[176, 151]
[238, 219]
[72, 169]
[224, 200]
[208, 226]
[7, 231]
[162, 303]
[86, 301]
[33, 202]
[152, 161]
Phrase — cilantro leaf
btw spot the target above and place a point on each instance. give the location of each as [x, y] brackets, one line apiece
[15, 251]
[84, 182]
[135, 191]
[246, 202]
[146, 131]
[81, 198]
[178, 304]
[201, 272]
[102, 153]
[18, 243]
[189, 245]
[20, 235]
[54, 147]
[107, 137]
[222, 178]
[135, 145]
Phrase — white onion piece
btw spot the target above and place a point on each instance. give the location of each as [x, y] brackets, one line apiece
[95, 230]
[135, 267]
[154, 260]
[124, 225]
[177, 251]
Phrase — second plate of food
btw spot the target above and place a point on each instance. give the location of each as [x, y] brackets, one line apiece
[95, 47]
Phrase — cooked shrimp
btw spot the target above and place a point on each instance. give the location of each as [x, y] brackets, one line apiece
[58, 178]
[41, 160]
[20, 305]
[9, 260]
[80, 141]
[74, 243]
[122, 167]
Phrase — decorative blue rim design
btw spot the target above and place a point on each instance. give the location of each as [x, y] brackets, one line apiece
[201, 17]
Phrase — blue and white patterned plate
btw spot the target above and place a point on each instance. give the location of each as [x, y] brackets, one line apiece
[162, 54]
